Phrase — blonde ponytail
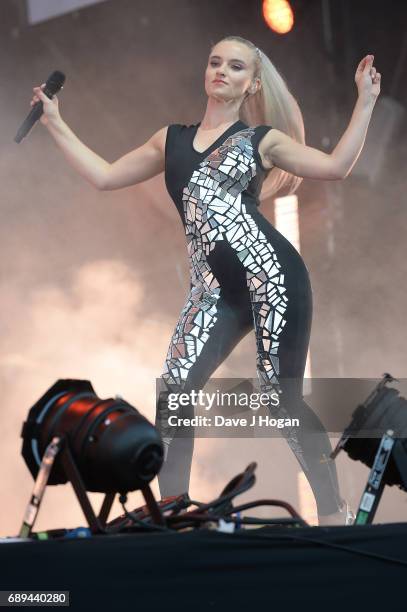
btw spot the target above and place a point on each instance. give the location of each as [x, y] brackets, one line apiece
[273, 104]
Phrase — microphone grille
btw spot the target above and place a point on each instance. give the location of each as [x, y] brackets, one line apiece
[55, 82]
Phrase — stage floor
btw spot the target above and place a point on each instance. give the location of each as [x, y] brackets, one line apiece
[211, 570]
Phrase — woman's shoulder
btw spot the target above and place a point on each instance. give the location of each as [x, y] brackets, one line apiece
[173, 134]
[257, 131]
[161, 135]
[261, 144]
[175, 129]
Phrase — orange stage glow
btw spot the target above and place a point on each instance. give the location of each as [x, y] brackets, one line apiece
[278, 15]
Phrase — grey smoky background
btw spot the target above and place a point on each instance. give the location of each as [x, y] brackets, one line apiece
[92, 283]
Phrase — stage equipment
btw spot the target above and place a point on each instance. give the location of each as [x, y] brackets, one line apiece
[219, 514]
[377, 436]
[278, 15]
[38, 12]
[98, 445]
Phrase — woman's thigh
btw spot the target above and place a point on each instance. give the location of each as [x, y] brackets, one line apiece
[207, 331]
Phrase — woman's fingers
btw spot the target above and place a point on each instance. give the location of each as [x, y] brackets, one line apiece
[36, 96]
[39, 94]
[366, 65]
[364, 62]
[369, 62]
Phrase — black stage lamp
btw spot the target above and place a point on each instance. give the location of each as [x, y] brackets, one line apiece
[377, 436]
[100, 445]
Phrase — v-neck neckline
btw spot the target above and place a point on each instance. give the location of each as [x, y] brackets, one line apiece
[215, 142]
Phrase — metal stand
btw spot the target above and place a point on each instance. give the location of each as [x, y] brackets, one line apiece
[97, 523]
[33, 505]
[375, 484]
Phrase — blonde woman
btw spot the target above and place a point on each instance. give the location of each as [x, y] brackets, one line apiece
[244, 274]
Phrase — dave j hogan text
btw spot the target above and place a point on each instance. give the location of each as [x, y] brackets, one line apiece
[221, 421]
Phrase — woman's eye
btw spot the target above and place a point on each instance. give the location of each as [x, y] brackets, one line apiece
[234, 66]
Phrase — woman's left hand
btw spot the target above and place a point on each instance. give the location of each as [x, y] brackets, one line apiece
[367, 80]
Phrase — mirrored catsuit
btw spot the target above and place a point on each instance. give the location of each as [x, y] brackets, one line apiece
[244, 275]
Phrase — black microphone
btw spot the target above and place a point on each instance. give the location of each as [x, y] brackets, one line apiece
[54, 83]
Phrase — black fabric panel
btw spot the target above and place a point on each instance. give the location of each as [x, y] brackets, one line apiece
[208, 570]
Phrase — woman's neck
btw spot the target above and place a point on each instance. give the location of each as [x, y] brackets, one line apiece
[219, 115]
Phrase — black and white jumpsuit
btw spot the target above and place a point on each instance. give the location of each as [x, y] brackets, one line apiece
[244, 275]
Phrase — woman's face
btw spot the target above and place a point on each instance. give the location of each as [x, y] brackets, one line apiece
[229, 73]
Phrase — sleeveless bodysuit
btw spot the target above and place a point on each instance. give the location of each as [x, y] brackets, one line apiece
[244, 275]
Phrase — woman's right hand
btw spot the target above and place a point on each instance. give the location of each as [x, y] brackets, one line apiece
[50, 106]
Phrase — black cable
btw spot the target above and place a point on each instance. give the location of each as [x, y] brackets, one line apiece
[189, 521]
[196, 503]
[238, 485]
[141, 522]
[268, 502]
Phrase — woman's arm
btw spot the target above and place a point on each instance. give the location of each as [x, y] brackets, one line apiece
[90, 166]
[350, 145]
[139, 165]
[278, 149]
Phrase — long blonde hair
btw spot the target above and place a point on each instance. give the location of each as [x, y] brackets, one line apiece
[273, 104]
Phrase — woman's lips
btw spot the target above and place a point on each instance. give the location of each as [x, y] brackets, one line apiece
[219, 81]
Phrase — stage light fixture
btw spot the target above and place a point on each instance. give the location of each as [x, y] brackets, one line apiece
[377, 436]
[278, 15]
[100, 445]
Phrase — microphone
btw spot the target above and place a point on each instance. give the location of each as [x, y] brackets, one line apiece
[54, 83]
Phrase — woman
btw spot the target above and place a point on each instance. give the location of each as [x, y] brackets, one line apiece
[244, 274]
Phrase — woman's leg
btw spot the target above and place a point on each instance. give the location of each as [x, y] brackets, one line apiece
[208, 329]
[282, 330]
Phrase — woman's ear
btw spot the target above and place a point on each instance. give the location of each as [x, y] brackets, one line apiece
[255, 87]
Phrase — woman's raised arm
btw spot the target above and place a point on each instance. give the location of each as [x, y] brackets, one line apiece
[136, 166]
[278, 149]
